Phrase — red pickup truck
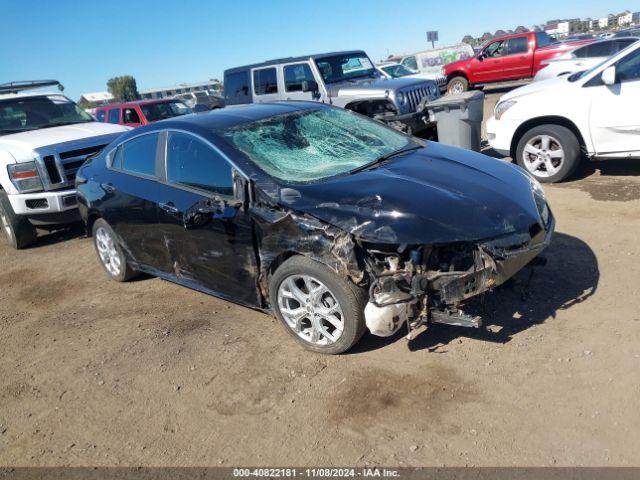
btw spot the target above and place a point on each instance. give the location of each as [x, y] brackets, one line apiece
[505, 58]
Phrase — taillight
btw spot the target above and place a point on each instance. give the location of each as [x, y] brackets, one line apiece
[25, 177]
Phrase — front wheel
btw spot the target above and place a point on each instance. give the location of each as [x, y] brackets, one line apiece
[318, 308]
[458, 85]
[109, 252]
[18, 230]
[549, 152]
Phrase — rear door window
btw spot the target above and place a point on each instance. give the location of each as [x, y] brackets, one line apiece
[518, 45]
[114, 115]
[138, 155]
[100, 114]
[194, 164]
[265, 81]
[542, 39]
[600, 49]
[236, 88]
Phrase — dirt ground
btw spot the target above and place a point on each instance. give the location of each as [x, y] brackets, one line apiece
[149, 373]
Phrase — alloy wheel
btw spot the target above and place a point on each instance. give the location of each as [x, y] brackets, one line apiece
[456, 88]
[543, 156]
[108, 252]
[310, 309]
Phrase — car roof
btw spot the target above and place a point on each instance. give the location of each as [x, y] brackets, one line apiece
[278, 61]
[232, 116]
[137, 102]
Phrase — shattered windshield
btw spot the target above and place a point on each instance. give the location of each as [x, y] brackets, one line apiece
[22, 114]
[309, 145]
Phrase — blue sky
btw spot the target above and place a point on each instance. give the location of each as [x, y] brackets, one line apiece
[162, 43]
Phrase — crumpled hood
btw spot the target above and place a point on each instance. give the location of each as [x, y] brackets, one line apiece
[438, 194]
[374, 85]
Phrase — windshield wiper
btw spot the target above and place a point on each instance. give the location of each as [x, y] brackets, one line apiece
[7, 131]
[62, 124]
[384, 158]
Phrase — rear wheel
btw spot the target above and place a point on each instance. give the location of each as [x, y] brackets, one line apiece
[458, 85]
[318, 308]
[109, 252]
[549, 152]
[17, 229]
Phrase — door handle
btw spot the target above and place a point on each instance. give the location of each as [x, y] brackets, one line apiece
[108, 187]
[168, 207]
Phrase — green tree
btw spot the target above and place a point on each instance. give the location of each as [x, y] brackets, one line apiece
[123, 89]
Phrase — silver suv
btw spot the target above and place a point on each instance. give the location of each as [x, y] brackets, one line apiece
[344, 79]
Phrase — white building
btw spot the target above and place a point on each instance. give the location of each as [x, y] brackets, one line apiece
[97, 97]
[181, 88]
[603, 22]
[563, 28]
[625, 18]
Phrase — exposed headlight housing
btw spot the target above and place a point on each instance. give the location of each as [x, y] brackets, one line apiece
[502, 107]
[25, 177]
[540, 198]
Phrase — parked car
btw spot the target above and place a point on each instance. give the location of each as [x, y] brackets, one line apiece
[44, 138]
[330, 220]
[506, 58]
[430, 62]
[628, 32]
[577, 37]
[397, 70]
[582, 58]
[141, 112]
[344, 79]
[201, 98]
[545, 126]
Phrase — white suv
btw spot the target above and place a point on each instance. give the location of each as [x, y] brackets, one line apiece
[545, 126]
[44, 138]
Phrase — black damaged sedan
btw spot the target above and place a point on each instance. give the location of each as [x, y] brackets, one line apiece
[331, 221]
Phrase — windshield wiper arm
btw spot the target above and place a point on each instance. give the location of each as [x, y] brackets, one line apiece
[62, 124]
[384, 158]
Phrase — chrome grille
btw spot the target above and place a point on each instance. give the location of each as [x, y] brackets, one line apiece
[415, 96]
[59, 170]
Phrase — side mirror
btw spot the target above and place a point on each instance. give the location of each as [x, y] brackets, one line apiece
[609, 75]
[481, 57]
[309, 86]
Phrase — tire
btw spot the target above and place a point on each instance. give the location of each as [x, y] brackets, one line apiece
[457, 85]
[550, 153]
[349, 312]
[110, 253]
[17, 229]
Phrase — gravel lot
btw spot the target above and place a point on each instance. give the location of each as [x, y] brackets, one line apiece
[150, 373]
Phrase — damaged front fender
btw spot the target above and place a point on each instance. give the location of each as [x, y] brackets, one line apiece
[281, 232]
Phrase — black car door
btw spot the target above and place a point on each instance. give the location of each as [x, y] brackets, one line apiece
[208, 246]
[130, 201]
